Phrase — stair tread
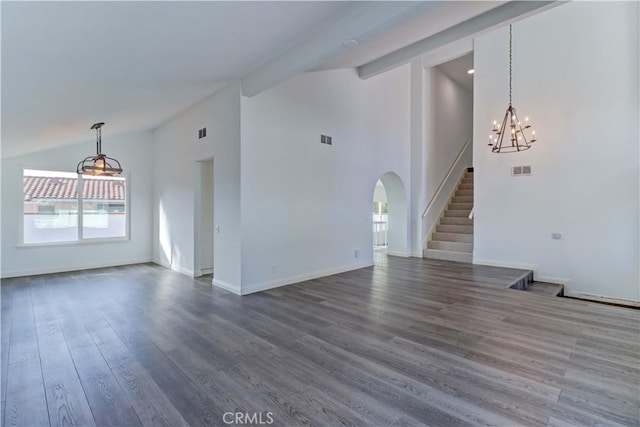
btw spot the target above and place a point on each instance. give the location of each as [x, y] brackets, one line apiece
[454, 228]
[450, 246]
[448, 255]
[452, 237]
[543, 288]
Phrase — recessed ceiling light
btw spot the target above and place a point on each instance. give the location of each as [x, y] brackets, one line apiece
[471, 71]
[350, 43]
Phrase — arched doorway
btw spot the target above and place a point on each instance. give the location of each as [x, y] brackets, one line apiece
[390, 224]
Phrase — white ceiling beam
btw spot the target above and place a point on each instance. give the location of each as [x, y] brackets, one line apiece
[486, 21]
[362, 22]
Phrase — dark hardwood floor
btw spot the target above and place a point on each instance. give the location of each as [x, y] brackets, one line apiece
[407, 342]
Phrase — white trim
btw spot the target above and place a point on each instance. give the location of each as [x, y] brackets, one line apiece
[555, 280]
[182, 270]
[90, 241]
[235, 289]
[22, 273]
[399, 254]
[600, 298]
[175, 268]
[257, 287]
[505, 264]
[446, 177]
[417, 255]
[204, 271]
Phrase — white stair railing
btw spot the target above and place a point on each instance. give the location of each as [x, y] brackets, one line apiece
[437, 203]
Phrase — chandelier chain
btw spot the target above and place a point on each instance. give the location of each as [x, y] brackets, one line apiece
[510, 60]
[99, 140]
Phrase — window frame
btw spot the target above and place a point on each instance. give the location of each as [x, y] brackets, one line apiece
[80, 240]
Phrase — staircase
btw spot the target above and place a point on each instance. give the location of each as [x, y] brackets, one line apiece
[526, 283]
[453, 238]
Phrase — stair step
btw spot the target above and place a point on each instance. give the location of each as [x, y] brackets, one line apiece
[462, 199]
[465, 187]
[452, 237]
[523, 281]
[456, 220]
[543, 288]
[460, 206]
[447, 255]
[464, 193]
[461, 229]
[467, 180]
[457, 212]
[450, 246]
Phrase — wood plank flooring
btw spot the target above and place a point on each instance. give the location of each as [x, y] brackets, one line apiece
[408, 342]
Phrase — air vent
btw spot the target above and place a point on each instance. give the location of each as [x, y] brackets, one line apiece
[326, 139]
[520, 170]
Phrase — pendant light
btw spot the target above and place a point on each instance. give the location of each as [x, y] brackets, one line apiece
[517, 139]
[100, 164]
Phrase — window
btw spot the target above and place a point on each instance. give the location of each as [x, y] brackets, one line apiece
[66, 207]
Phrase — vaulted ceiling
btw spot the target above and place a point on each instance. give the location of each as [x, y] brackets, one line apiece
[66, 65]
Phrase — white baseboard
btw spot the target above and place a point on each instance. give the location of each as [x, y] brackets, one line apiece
[505, 264]
[175, 268]
[556, 280]
[257, 287]
[64, 269]
[400, 254]
[206, 271]
[600, 298]
[226, 286]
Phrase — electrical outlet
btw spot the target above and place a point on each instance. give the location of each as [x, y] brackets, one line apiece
[273, 268]
[217, 229]
[556, 236]
[356, 253]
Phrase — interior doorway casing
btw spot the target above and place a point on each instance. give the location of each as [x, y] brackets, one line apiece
[397, 211]
[203, 220]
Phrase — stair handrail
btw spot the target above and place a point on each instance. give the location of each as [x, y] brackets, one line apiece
[471, 213]
[446, 177]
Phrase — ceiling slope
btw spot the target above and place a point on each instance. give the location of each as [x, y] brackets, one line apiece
[471, 27]
[361, 23]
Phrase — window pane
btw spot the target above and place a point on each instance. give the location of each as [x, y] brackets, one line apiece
[103, 207]
[50, 206]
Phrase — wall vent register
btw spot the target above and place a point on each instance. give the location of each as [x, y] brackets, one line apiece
[520, 170]
[325, 139]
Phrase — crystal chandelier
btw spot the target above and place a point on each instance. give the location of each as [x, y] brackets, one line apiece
[100, 164]
[511, 124]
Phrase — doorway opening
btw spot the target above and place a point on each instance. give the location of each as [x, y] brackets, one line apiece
[390, 223]
[380, 217]
[204, 228]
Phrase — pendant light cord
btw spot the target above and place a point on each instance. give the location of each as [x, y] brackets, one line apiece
[99, 140]
[510, 60]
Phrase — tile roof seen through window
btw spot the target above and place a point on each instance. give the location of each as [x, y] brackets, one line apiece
[48, 188]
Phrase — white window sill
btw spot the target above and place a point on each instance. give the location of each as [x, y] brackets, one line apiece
[84, 242]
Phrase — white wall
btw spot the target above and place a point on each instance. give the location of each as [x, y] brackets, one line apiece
[132, 151]
[452, 126]
[176, 151]
[306, 206]
[576, 75]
